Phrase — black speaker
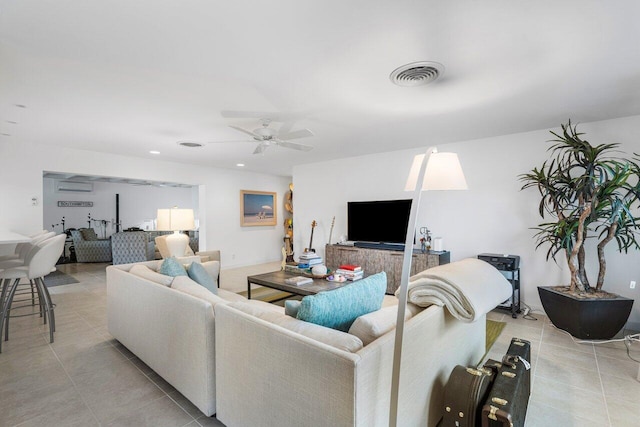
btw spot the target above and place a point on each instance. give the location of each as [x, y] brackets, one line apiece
[503, 262]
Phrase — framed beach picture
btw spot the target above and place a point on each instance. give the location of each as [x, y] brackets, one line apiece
[257, 208]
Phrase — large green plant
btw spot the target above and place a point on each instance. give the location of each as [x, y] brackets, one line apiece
[590, 193]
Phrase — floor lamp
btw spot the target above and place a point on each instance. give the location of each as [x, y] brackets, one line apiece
[436, 171]
[176, 220]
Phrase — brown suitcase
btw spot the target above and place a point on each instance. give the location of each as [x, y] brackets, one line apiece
[507, 401]
[464, 395]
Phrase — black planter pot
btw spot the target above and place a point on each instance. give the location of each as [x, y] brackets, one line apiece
[585, 318]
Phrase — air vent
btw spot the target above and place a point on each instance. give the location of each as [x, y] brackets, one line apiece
[189, 144]
[417, 73]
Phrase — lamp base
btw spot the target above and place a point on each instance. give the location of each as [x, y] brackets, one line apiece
[177, 244]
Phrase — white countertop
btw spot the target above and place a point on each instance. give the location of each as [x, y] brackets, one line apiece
[7, 237]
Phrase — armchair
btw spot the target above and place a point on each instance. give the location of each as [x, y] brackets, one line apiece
[89, 248]
[131, 246]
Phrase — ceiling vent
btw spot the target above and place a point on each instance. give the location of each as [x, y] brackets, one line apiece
[189, 144]
[417, 73]
[75, 187]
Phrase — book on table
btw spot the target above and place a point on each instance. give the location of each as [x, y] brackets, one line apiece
[350, 267]
[298, 280]
[350, 275]
[308, 263]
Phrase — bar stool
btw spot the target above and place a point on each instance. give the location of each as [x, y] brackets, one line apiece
[18, 260]
[39, 263]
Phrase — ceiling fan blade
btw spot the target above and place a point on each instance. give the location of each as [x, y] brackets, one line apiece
[294, 145]
[260, 149]
[302, 133]
[248, 132]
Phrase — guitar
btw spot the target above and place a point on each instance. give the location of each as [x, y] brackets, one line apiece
[288, 248]
[310, 248]
[333, 222]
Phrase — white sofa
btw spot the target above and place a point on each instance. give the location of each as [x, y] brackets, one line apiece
[170, 328]
[271, 376]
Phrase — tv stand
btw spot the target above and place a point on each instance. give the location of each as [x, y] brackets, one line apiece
[375, 260]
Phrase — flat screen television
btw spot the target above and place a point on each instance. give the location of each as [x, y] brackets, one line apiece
[382, 221]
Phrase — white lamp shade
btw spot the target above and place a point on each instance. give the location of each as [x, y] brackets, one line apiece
[175, 219]
[443, 173]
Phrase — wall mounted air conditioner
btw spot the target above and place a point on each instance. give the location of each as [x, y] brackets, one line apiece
[76, 187]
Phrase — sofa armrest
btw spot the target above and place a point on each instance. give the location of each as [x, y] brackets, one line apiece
[169, 330]
[213, 255]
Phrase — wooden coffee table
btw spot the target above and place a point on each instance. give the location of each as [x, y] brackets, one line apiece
[275, 280]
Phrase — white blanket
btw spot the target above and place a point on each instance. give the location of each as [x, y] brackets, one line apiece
[468, 288]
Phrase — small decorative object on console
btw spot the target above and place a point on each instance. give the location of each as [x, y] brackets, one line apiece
[319, 270]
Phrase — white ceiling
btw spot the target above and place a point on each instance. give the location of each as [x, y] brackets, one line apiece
[133, 76]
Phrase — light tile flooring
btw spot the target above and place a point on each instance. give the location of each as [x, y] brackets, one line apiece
[86, 378]
[574, 385]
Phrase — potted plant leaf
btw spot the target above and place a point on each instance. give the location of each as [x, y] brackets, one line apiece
[589, 193]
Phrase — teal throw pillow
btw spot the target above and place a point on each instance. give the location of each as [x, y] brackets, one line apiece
[291, 307]
[171, 267]
[199, 274]
[339, 308]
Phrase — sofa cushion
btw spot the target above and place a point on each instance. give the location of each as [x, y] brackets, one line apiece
[339, 308]
[271, 314]
[146, 273]
[188, 286]
[171, 267]
[230, 296]
[291, 307]
[200, 275]
[372, 326]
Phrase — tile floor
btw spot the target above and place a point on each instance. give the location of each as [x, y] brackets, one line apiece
[86, 378]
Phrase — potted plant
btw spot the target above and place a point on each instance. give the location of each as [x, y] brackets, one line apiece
[590, 194]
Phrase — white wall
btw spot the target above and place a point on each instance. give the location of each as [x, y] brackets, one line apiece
[22, 165]
[137, 204]
[492, 216]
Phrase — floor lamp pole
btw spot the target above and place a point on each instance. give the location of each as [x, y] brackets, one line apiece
[404, 283]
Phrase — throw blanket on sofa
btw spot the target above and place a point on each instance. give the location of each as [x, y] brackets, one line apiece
[468, 288]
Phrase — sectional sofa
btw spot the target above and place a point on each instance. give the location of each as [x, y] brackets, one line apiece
[169, 326]
[254, 366]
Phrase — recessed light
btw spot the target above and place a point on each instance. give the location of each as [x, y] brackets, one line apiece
[189, 144]
[240, 165]
[20, 105]
[5, 134]
[12, 122]
[154, 152]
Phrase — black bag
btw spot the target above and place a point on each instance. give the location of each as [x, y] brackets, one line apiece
[507, 401]
[465, 393]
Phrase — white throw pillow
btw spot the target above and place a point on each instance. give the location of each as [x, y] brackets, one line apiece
[371, 326]
[213, 268]
[146, 273]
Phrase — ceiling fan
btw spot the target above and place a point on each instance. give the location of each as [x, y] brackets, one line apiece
[268, 137]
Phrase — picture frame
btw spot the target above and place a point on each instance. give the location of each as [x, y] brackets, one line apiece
[258, 208]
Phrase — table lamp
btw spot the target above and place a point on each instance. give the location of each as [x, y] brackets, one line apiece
[176, 220]
[436, 171]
